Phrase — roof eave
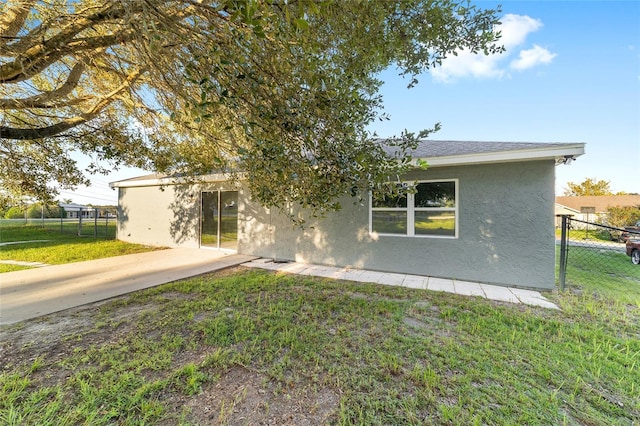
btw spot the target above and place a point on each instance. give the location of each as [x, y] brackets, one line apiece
[559, 154]
[131, 183]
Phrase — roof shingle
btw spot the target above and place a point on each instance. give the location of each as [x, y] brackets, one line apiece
[601, 203]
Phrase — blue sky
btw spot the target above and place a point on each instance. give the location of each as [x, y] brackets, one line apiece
[571, 73]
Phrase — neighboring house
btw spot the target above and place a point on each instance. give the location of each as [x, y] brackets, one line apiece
[576, 206]
[75, 211]
[483, 211]
[561, 210]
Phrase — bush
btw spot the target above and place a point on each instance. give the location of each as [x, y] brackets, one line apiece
[54, 211]
[620, 217]
[50, 211]
[14, 213]
[34, 211]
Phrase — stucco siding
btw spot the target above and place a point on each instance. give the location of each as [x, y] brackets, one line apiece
[506, 232]
[505, 227]
[167, 216]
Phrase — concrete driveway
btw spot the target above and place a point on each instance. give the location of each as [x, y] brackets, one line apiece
[36, 292]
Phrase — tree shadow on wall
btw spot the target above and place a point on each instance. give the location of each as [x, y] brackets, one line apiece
[184, 225]
[341, 238]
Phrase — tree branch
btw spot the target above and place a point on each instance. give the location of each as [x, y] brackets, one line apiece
[44, 99]
[39, 57]
[66, 124]
[13, 20]
[42, 53]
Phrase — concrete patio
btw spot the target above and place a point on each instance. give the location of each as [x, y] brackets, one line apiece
[464, 288]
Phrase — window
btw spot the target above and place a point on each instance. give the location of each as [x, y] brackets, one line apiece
[430, 210]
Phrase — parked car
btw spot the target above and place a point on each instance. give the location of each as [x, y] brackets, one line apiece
[630, 232]
[633, 250]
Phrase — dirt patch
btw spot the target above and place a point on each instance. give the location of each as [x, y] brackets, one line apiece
[237, 396]
[42, 335]
[245, 397]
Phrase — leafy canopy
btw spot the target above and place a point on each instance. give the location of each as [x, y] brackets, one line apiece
[281, 91]
[588, 187]
[621, 216]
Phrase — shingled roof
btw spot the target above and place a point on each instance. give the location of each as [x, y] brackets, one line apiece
[440, 153]
[443, 152]
[601, 203]
[438, 148]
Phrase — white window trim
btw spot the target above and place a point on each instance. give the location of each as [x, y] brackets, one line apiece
[411, 209]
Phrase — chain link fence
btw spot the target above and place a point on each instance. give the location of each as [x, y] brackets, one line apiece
[87, 223]
[592, 256]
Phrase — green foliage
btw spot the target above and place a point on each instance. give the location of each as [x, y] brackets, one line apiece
[588, 187]
[623, 216]
[279, 92]
[14, 213]
[35, 211]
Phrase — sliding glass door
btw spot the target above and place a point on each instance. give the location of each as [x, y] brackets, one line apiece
[219, 219]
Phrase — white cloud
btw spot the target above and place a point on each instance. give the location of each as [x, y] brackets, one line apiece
[467, 64]
[532, 57]
[514, 30]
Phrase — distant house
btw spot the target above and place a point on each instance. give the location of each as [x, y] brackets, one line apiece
[75, 211]
[577, 206]
[481, 212]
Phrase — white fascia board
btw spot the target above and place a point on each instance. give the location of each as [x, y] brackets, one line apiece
[130, 183]
[545, 153]
[562, 206]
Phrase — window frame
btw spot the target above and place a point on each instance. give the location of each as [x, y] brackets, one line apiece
[411, 209]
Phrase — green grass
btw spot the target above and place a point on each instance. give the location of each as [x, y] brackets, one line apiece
[586, 234]
[102, 228]
[58, 248]
[389, 355]
[607, 273]
[11, 268]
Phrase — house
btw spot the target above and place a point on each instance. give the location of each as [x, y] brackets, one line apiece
[592, 208]
[75, 211]
[482, 211]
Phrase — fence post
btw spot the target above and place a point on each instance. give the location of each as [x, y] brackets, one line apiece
[80, 222]
[563, 251]
[95, 222]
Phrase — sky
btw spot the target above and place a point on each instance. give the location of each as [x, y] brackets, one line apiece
[571, 73]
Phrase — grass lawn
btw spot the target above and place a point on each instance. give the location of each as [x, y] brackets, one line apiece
[56, 247]
[247, 347]
[11, 268]
[604, 273]
[586, 234]
[100, 228]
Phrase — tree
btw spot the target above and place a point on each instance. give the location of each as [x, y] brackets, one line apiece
[36, 211]
[620, 217]
[588, 187]
[14, 213]
[281, 91]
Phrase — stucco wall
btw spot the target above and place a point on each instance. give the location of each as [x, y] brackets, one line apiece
[505, 228]
[506, 231]
[165, 216]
